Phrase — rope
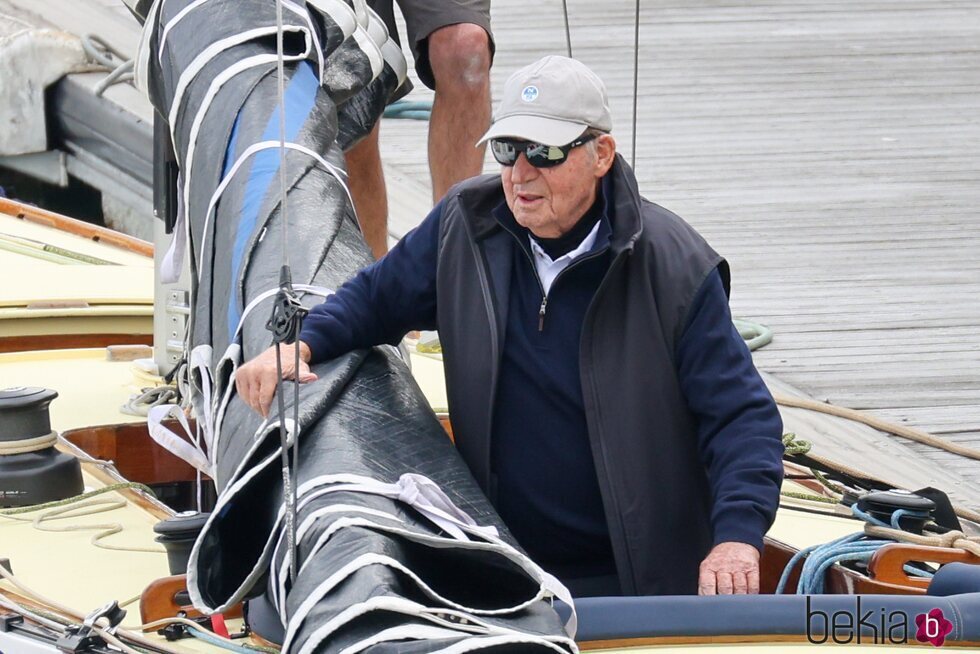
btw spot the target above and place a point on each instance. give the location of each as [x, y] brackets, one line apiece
[210, 638]
[636, 77]
[28, 444]
[795, 446]
[568, 32]
[412, 110]
[71, 500]
[810, 497]
[76, 618]
[76, 507]
[280, 74]
[104, 530]
[951, 539]
[859, 547]
[754, 334]
[121, 69]
[221, 641]
[910, 433]
[141, 403]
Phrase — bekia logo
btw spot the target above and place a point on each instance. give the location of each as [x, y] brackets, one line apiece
[878, 626]
[529, 94]
[933, 627]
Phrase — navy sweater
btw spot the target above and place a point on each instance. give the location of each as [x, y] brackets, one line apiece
[547, 491]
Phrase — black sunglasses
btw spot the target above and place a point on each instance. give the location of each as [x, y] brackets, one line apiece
[506, 151]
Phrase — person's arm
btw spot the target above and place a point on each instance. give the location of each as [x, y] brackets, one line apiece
[739, 435]
[380, 304]
[383, 301]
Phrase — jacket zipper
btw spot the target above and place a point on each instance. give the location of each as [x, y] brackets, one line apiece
[543, 309]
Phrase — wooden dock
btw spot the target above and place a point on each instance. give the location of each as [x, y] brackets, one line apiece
[830, 150]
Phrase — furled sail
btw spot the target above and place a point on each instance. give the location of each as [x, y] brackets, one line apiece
[397, 547]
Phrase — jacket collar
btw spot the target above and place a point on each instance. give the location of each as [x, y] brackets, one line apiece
[483, 194]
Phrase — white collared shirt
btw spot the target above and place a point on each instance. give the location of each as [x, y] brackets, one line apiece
[548, 269]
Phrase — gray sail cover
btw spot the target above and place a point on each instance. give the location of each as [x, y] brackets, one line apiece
[398, 550]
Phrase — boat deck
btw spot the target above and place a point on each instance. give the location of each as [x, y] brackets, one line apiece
[831, 151]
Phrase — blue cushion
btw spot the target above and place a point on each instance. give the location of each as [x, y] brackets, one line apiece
[955, 579]
[611, 618]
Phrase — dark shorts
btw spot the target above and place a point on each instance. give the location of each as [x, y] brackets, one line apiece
[423, 17]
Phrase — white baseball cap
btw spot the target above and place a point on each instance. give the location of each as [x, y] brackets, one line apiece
[551, 102]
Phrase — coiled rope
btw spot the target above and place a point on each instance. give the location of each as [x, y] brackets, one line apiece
[27, 445]
[857, 547]
[78, 506]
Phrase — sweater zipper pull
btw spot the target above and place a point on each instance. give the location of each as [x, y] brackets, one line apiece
[541, 311]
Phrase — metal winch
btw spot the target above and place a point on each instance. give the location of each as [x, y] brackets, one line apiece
[32, 471]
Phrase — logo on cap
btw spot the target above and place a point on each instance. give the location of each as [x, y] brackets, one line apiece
[529, 94]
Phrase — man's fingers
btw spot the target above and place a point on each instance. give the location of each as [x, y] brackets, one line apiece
[707, 583]
[257, 380]
[305, 374]
[740, 583]
[724, 582]
[241, 384]
[753, 579]
[266, 391]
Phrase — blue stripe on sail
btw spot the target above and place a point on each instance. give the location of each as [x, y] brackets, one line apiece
[300, 96]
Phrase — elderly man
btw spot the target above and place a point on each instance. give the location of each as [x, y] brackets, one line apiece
[598, 390]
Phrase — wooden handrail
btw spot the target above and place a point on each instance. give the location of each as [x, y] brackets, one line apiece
[888, 563]
[77, 227]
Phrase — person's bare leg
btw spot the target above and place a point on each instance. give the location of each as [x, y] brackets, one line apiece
[460, 60]
[366, 181]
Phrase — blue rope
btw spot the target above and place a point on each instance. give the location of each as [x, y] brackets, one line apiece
[853, 547]
[208, 637]
[421, 110]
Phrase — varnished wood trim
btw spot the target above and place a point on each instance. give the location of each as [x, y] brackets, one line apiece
[108, 476]
[888, 563]
[70, 341]
[77, 227]
[159, 601]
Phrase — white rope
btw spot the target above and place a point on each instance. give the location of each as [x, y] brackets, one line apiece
[27, 445]
[140, 404]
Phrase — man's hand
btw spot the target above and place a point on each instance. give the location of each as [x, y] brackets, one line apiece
[730, 569]
[256, 380]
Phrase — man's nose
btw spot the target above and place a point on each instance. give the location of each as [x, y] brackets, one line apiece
[523, 170]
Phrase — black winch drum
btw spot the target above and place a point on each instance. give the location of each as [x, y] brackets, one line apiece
[44, 475]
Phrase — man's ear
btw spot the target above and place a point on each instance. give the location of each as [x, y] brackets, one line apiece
[605, 148]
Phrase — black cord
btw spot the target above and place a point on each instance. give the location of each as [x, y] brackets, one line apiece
[285, 324]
